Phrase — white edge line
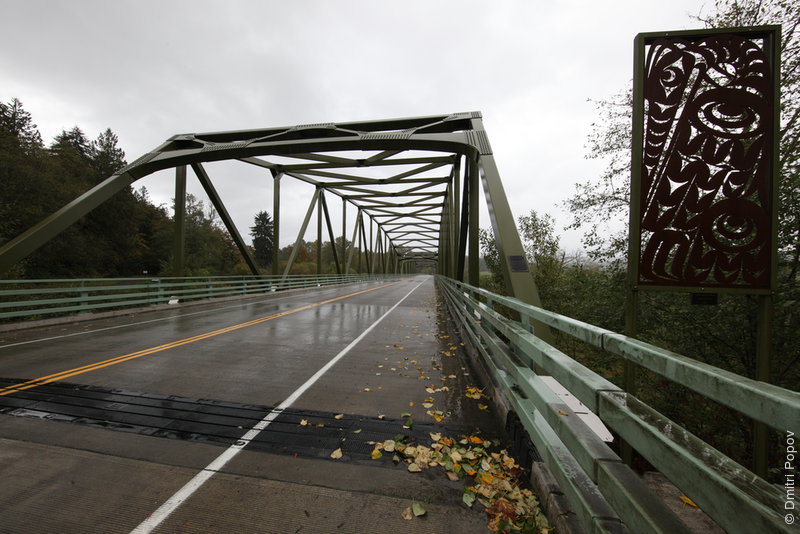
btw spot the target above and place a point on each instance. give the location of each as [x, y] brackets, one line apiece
[172, 504]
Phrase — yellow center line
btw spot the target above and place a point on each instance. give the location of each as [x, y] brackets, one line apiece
[42, 380]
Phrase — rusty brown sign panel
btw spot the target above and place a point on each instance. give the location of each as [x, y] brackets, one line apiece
[703, 182]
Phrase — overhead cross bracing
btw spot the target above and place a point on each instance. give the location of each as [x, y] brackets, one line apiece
[412, 182]
[403, 192]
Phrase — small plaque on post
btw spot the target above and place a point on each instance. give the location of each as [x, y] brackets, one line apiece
[518, 264]
[704, 299]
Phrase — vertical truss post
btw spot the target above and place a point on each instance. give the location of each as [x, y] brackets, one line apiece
[473, 252]
[360, 226]
[319, 230]
[352, 244]
[344, 230]
[222, 211]
[276, 221]
[444, 238]
[458, 261]
[379, 250]
[330, 232]
[301, 234]
[465, 229]
[179, 238]
[371, 257]
[386, 252]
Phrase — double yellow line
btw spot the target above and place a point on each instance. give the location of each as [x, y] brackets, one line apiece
[42, 380]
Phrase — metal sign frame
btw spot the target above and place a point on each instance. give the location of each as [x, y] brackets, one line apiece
[686, 233]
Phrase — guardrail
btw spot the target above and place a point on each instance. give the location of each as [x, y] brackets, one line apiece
[39, 298]
[607, 494]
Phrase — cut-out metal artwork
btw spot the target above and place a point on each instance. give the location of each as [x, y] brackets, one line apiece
[706, 198]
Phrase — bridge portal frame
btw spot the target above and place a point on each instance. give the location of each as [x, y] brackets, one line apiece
[423, 218]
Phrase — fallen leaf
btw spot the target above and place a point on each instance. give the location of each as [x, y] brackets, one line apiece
[381, 416]
[688, 501]
[468, 497]
[376, 453]
[452, 476]
[561, 412]
[418, 509]
[339, 416]
[435, 436]
[407, 514]
[367, 389]
[357, 431]
[412, 467]
[483, 407]
[501, 506]
[336, 454]
[303, 422]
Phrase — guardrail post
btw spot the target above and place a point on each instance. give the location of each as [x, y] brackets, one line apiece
[84, 294]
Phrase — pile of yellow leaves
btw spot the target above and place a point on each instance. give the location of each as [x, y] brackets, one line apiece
[491, 478]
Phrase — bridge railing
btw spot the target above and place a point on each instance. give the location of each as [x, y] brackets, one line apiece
[593, 477]
[29, 299]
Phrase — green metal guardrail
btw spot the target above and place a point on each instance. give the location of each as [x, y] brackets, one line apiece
[607, 494]
[37, 298]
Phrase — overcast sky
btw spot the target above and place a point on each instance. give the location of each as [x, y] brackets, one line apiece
[150, 69]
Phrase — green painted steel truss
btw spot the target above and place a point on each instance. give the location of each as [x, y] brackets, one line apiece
[413, 183]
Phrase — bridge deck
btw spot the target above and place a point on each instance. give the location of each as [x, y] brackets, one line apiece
[138, 407]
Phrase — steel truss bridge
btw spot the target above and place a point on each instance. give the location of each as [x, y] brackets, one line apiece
[412, 188]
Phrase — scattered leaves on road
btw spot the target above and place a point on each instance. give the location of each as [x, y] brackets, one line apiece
[491, 478]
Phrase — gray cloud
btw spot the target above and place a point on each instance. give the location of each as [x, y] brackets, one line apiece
[150, 69]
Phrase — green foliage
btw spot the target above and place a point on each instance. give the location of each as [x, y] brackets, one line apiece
[125, 236]
[210, 250]
[261, 232]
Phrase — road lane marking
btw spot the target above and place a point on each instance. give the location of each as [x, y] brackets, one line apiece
[138, 354]
[183, 494]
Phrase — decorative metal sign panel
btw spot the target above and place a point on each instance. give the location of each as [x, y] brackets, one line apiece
[706, 192]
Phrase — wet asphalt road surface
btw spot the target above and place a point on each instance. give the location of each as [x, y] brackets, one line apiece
[103, 422]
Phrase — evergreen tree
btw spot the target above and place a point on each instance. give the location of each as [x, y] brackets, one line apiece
[105, 154]
[261, 232]
[17, 129]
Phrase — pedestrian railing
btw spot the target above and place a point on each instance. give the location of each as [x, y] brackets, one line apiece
[607, 495]
[34, 299]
